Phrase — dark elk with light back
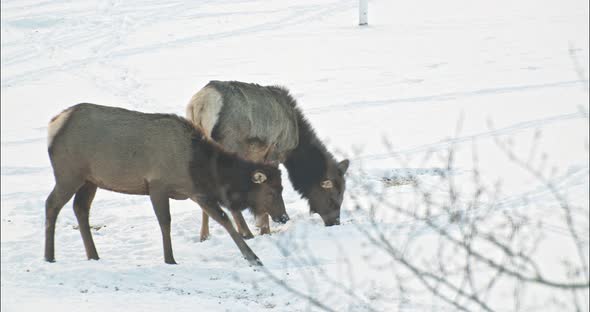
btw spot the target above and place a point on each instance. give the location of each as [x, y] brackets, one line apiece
[160, 155]
[263, 123]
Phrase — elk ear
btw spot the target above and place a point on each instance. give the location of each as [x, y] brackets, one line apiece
[343, 166]
[258, 177]
[327, 184]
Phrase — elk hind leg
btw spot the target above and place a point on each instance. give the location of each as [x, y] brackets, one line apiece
[62, 193]
[82, 202]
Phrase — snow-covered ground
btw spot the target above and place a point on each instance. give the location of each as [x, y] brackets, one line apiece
[426, 75]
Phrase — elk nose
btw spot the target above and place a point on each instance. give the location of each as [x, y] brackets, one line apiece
[284, 218]
[334, 222]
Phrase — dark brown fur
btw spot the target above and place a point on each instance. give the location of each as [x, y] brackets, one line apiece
[159, 155]
[265, 122]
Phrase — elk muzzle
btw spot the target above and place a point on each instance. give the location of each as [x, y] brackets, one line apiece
[281, 219]
[332, 222]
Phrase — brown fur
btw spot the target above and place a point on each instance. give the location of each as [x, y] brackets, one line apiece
[265, 123]
[160, 155]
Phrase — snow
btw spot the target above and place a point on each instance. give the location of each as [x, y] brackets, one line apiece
[423, 75]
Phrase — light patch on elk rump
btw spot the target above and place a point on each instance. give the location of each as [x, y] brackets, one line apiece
[207, 104]
[56, 124]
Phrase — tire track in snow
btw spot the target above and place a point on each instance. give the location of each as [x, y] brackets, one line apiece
[466, 139]
[534, 198]
[11, 171]
[443, 96]
[298, 15]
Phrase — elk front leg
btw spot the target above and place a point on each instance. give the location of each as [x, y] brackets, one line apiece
[215, 212]
[262, 224]
[159, 198]
[242, 225]
[204, 226]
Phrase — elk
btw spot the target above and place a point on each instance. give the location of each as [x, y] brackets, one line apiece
[160, 155]
[263, 123]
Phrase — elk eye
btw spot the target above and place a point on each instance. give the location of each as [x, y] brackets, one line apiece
[327, 184]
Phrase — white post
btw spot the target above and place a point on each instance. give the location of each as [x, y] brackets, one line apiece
[363, 8]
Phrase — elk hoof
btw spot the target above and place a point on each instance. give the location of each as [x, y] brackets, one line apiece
[247, 236]
[255, 262]
[170, 261]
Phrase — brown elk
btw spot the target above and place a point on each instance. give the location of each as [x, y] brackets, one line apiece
[160, 155]
[263, 123]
